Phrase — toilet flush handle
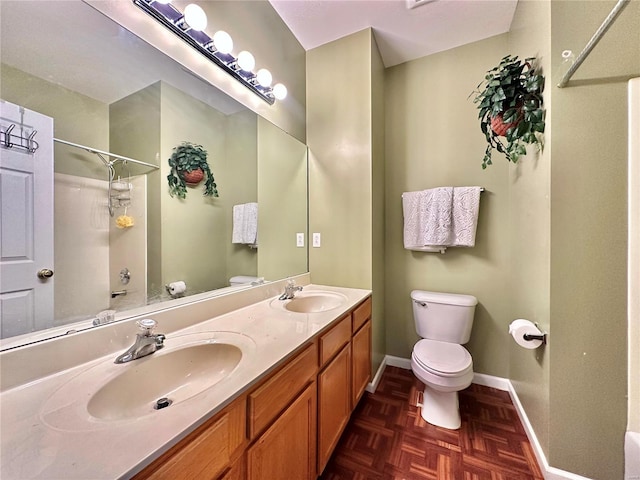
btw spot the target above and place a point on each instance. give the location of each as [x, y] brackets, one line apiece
[422, 304]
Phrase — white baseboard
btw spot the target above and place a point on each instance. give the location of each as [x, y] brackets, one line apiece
[549, 472]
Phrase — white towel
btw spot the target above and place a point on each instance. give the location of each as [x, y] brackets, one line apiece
[251, 224]
[440, 217]
[245, 224]
[237, 235]
[466, 204]
[427, 218]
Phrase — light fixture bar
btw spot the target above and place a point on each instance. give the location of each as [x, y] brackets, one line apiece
[173, 19]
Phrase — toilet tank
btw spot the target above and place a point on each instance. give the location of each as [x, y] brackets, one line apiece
[245, 279]
[446, 317]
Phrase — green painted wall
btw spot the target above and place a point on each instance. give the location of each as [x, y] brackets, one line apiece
[345, 166]
[530, 231]
[241, 186]
[588, 384]
[78, 119]
[193, 230]
[282, 194]
[135, 133]
[551, 243]
[433, 139]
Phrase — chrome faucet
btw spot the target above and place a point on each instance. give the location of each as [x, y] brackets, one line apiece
[290, 290]
[146, 342]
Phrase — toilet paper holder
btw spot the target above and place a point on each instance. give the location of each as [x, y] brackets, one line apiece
[542, 336]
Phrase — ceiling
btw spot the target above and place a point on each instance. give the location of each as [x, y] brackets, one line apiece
[402, 33]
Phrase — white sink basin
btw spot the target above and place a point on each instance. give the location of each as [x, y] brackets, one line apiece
[311, 302]
[178, 375]
[187, 366]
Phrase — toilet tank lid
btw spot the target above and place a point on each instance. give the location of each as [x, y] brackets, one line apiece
[444, 298]
[245, 279]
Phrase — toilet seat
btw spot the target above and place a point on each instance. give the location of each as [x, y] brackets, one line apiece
[442, 358]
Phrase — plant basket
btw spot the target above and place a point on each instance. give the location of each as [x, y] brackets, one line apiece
[189, 167]
[193, 178]
[510, 105]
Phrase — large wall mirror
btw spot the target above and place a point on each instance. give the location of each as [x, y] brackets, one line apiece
[108, 90]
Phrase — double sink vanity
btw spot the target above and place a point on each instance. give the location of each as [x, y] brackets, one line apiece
[243, 386]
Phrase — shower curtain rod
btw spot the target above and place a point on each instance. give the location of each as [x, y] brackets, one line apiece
[594, 40]
[109, 154]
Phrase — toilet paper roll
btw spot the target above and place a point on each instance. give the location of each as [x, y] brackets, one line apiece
[519, 328]
[177, 288]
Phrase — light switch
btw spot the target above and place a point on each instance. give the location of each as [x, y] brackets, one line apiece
[316, 240]
[299, 239]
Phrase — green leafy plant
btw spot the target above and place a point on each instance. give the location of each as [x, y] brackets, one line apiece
[511, 106]
[186, 158]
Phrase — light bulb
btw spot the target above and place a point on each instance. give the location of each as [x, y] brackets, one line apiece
[279, 91]
[222, 41]
[195, 17]
[264, 77]
[164, 2]
[246, 61]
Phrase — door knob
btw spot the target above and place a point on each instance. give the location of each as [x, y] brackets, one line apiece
[45, 273]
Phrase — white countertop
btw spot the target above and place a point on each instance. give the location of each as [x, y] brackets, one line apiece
[47, 433]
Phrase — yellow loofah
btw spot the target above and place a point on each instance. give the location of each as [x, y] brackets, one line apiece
[124, 221]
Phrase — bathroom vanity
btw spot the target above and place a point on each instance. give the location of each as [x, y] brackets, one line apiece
[286, 376]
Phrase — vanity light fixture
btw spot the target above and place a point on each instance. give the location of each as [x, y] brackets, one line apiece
[190, 25]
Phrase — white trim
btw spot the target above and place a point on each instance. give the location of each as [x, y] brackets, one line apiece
[504, 384]
[392, 362]
[632, 436]
[373, 385]
[491, 381]
[398, 362]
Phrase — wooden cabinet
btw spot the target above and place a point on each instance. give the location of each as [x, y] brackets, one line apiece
[207, 452]
[334, 403]
[287, 449]
[273, 396]
[360, 350]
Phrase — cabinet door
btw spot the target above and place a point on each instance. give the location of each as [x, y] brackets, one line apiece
[206, 452]
[361, 351]
[286, 450]
[334, 404]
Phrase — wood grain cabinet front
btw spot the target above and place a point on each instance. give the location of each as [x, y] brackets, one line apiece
[207, 452]
[267, 401]
[334, 403]
[361, 350]
[287, 449]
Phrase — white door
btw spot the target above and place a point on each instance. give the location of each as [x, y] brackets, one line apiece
[26, 222]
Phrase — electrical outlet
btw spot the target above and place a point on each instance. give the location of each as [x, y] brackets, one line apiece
[299, 239]
[317, 240]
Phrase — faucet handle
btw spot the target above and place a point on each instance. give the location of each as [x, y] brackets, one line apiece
[147, 325]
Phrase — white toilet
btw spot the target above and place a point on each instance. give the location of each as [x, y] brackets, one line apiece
[443, 321]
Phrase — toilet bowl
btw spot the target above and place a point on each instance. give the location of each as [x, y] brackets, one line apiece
[439, 360]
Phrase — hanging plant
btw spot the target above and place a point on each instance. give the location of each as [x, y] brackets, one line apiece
[189, 166]
[510, 103]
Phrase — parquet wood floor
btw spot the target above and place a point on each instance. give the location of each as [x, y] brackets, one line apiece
[388, 439]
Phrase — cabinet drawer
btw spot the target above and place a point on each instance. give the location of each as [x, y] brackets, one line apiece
[361, 314]
[206, 452]
[336, 338]
[273, 396]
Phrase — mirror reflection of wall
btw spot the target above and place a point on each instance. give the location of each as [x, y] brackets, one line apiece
[134, 101]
